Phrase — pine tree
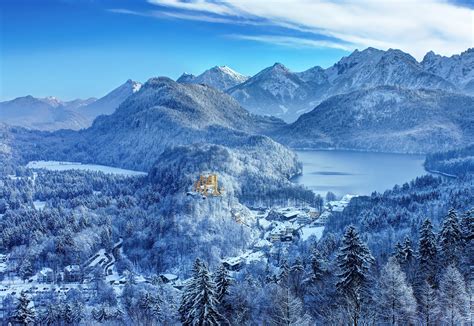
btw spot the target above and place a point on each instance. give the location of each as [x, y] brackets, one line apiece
[354, 261]
[24, 314]
[395, 300]
[284, 273]
[204, 309]
[51, 316]
[296, 277]
[428, 303]
[451, 239]
[189, 294]
[288, 309]
[67, 314]
[398, 253]
[427, 253]
[223, 283]
[317, 270]
[453, 297]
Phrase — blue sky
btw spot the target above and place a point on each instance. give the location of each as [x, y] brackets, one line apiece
[83, 48]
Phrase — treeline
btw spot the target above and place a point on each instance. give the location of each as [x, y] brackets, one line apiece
[457, 162]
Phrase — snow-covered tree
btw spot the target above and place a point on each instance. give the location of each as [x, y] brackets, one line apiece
[354, 261]
[428, 304]
[189, 294]
[451, 238]
[52, 315]
[427, 253]
[395, 301]
[223, 283]
[24, 313]
[204, 309]
[287, 309]
[317, 265]
[453, 298]
[296, 277]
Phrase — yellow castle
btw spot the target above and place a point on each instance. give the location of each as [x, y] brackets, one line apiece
[208, 185]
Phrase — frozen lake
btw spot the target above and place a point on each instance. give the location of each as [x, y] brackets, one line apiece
[63, 166]
[357, 173]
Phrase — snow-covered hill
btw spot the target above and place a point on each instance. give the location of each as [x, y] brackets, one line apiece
[386, 118]
[219, 77]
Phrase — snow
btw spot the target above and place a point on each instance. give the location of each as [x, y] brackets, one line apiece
[65, 166]
[39, 205]
[308, 231]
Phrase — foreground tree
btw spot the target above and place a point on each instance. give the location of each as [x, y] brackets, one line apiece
[24, 314]
[428, 304]
[451, 239]
[199, 304]
[427, 253]
[395, 301]
[453, 297]
[354, 261]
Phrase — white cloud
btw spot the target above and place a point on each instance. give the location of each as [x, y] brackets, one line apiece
[415, 26]
[292, 41]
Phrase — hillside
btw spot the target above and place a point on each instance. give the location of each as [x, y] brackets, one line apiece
[387, 119]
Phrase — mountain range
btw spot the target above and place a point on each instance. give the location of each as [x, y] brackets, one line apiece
[50, 113]
[219, 77]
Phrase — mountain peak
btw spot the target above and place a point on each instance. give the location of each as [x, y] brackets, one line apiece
[218, 77]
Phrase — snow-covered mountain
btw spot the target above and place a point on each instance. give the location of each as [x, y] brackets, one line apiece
[165, 113]
[110, 102]
[51, 113]
[43, 113]
[278, 91]
[458, 69]
[385, 118]
[219, 77]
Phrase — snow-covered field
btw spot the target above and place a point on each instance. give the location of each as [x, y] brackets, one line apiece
[64, 166]
[308, 231]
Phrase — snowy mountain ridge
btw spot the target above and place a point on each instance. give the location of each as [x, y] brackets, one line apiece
[219, 77]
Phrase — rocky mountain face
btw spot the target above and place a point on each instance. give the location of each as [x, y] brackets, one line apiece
[385, 118]
[279, 92]
[50, 113]
[458, 69]
[219, 77]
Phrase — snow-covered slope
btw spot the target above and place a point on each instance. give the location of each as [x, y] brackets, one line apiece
[110, 102]
[458, 69]
[279, 92]
[219, 77]
[386, 118]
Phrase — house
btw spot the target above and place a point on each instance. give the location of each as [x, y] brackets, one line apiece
[233, 264]
[168, 278]
[72, 273]
[46, 275]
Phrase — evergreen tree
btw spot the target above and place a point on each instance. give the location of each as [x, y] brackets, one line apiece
[189, 294]
[354, 261]
[223, 282]
[428, 304]
[284, 273]
[51, 316]
[288, 309]
[451, 239]
[317, 269]
[24, 314]
[204, 309]
[398, 253]
[296, 277]
[395, 301]
[67, 314]
[427, 253]
[453, 297]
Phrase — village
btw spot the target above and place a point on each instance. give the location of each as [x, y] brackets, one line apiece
[281, 226]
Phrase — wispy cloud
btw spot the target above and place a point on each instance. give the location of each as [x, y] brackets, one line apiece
[294, 42]
[413, 26]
